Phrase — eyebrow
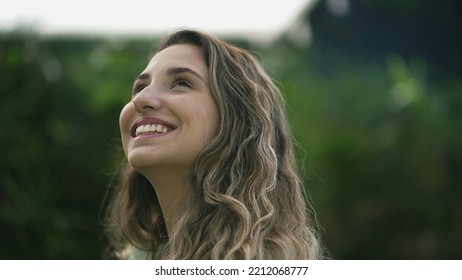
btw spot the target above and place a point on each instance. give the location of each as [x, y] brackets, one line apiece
[178, 70]
[171, 72]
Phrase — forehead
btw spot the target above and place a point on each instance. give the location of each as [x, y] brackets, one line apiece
[181, 55]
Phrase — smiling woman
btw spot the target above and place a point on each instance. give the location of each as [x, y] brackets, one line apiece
[209, 169]
[170, 95]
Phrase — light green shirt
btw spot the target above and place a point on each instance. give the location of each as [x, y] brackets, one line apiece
[138, 254]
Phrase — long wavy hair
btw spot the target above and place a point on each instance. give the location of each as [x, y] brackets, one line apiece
[248, 200]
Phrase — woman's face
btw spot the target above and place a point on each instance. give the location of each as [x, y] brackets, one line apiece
[172, 115]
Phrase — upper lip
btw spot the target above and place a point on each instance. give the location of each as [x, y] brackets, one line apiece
[149, 120]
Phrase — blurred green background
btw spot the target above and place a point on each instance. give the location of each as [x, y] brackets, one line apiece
[374, 99]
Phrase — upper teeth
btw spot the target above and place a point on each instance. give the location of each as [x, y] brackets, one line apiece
[145, 128]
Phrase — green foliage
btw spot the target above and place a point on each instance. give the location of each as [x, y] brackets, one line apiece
[60, 100]
[381, 151]
[379, 145]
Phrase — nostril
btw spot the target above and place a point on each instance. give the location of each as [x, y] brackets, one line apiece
[148, 107]
[144, 105]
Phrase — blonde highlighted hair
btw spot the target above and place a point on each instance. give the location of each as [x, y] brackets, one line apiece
[248, 199]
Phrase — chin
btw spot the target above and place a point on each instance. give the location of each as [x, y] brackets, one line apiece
[141, 162]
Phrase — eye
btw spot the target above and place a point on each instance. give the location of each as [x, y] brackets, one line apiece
[137, 87]
[181, 82]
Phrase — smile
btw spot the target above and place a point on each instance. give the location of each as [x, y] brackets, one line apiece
[151, 128]
[151, 125]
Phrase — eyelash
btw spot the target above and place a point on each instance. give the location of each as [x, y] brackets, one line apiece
[177, 81]
[181, 81]
[137, 88]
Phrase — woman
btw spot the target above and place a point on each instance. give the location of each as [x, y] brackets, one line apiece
[209, 169]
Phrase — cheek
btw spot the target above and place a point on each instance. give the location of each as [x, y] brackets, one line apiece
[209, 120]
[124, 120]
[212, 126]
[125, 114]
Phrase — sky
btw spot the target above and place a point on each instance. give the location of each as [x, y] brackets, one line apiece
[247, 18]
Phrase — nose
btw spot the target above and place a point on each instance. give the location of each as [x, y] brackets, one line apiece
[147, 100]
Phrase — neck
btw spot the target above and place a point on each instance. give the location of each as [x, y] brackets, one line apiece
[171, 188]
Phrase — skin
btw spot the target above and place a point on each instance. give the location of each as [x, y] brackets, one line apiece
[172, 90]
